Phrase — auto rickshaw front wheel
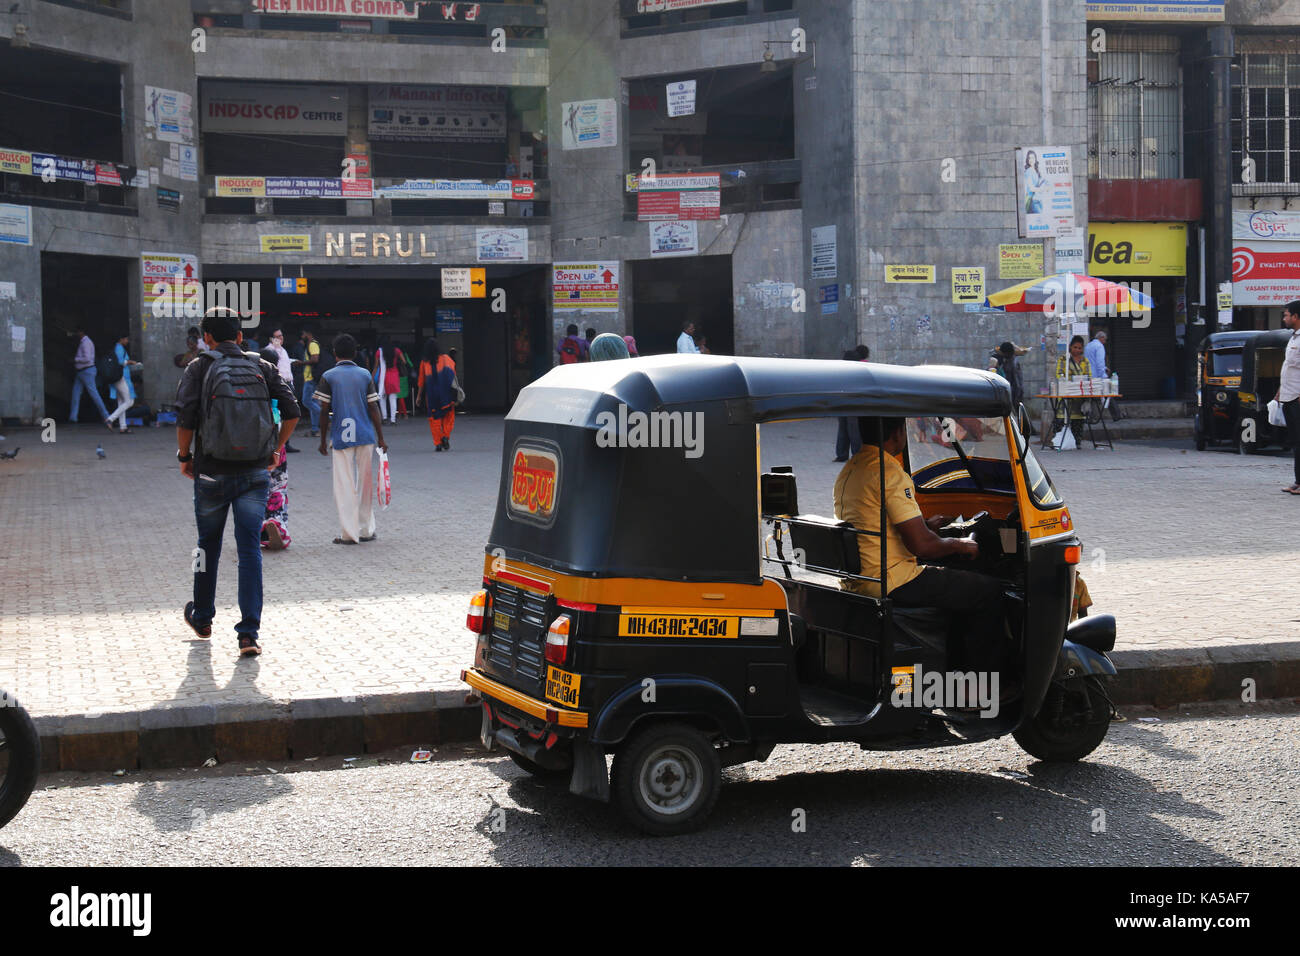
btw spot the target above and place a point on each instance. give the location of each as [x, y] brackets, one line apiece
[1071, 723]
[666, 779]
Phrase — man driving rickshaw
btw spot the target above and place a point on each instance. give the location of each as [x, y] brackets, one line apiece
[912, 536]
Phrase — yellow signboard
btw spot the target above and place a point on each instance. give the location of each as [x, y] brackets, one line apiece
[1137, 249]
[15, 161]
[286, 243]
[909, 274]
[300, 286]
[1020, 260]
[241, 185]
[968, 285]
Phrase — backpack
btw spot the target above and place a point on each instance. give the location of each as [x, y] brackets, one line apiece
[235, 418]
[569, 351]
[108, 370]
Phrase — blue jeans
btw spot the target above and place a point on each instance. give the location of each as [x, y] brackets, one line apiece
[313, 408]
[213, 496]
[85, 381]
[847, 440]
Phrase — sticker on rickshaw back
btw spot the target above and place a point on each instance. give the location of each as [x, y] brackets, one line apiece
[534, 482]
[562, 686]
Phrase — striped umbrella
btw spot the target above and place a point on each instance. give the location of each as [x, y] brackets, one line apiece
[1070, 292]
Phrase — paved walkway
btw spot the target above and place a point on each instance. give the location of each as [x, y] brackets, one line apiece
[1188, 550]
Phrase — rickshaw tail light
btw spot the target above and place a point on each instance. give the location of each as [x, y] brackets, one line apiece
[1072, 554]
[557, 640]
[480, 603]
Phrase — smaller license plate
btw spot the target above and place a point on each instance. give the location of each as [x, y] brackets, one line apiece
[500, 622]
[562, 687]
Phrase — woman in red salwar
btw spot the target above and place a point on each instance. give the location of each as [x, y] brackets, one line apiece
[437, 394]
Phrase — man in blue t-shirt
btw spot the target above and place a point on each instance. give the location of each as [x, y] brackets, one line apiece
[349, 409]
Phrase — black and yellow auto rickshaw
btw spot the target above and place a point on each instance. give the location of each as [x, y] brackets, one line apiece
[647, 593]
[1237, 375]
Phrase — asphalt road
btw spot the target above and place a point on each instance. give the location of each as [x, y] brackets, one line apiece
[1214, 787]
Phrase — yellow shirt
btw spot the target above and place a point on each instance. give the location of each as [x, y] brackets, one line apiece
[857, 500]
[312, 349]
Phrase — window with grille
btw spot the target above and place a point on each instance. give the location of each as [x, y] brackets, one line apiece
[1135, 110]
[1266, 116]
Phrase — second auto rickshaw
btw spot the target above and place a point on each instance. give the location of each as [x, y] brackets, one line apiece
[1237, 374]
[649, 593]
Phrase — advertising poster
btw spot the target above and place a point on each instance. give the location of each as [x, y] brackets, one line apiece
[1266, 224]
[501, 245]
[274, 108]
[1170, 11]
[76, 170]
[586, 286]
[1137, 249]
[16, 224]
[317, 187]
[1265, 272]
[681, 98]
[170, 114]
[449, 114]
[825, 252]
[674, 239]
[1020, 260]
[189, 163]
[674, 197]
[667, 6]
[1070, 256]
[370, 9]
[590, 124]
[240, 185]
[16, 161]
[460, 189]
[179, 271]
[1045, 192]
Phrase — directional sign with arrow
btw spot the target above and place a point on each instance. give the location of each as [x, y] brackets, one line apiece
[464, 283]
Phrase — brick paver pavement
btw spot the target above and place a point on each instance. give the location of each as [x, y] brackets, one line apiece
[1186, 550]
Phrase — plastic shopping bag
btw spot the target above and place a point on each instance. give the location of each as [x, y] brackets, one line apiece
[1064, 440]
[1275, 414]
[384, 484]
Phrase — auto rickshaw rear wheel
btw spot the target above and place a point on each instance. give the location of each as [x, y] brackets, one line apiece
[1064, 728]
[666, 779]
[20, 757]
[537, 770]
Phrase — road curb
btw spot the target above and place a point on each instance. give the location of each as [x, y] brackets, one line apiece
[187, 736]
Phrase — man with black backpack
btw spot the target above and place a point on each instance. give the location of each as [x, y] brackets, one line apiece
[224, 407]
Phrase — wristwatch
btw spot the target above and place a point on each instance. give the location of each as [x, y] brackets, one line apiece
[183, 458]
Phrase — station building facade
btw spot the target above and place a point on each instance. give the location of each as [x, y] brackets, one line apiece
[795, 177]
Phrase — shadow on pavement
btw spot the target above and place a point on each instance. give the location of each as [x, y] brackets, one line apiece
[874, 816]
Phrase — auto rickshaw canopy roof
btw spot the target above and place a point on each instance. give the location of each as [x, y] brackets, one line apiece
[1271, 339]
[757, 390]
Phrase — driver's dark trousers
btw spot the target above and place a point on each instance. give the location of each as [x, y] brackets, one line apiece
[977, 601]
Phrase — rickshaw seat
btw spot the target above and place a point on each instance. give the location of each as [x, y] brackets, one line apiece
[826, 543]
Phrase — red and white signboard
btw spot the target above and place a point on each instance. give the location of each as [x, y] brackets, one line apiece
[677, 197]
[280, 108]
[666, 6]
[173, 275]
[1265, 273]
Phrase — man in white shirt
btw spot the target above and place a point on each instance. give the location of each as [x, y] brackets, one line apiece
[1095, 353]
[686, 341]
[1289, 392]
